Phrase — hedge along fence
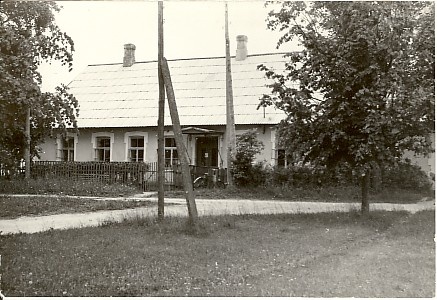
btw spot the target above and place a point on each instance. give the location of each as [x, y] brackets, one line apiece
[403, 176]
[144, 175]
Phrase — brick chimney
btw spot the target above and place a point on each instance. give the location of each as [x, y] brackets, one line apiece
[129, 55]
[241, 47]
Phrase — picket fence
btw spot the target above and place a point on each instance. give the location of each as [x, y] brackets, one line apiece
[144, 175]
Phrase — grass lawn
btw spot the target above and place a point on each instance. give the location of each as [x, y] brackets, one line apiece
[345, 194]
[14, 207]
[386, 254]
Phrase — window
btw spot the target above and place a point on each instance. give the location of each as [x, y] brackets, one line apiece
[103, 148]
[281, 158]
[136, 148]
[171, 152]
[284, 159]
[65, 147]
[67, 150]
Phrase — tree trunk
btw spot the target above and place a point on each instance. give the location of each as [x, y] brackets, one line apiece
[376, 177]
[27, 149]
[182, 151]
[365, 183]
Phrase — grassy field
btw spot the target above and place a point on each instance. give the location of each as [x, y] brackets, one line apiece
[14, 207]
[326, 194]
[385, 254]
[348, 193]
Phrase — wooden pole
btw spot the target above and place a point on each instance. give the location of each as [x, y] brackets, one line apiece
[27, 148]
[161, 105]
[230, 121]
[182, 152]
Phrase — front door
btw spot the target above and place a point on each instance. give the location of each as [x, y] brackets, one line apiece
[207, 151]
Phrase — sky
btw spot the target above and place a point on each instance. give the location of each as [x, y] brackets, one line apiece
[192, 29]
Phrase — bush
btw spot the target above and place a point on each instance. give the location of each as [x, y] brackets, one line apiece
[406, 176]
[402, 176]
[258, 174]
[295, 176]
[244, 171]
[65, 186]
[309, 176]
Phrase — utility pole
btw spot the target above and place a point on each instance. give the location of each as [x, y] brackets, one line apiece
[27, 148]
[230, 120]
[161, 105]
[182, 151]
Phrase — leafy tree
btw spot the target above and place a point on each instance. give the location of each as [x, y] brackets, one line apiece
[244, 171]
[362, 90]
[29, 37]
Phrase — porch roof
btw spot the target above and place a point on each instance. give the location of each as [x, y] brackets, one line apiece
[198, 130]
[111, 95]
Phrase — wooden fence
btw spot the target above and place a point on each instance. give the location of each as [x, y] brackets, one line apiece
[141, 174]
[144, 175]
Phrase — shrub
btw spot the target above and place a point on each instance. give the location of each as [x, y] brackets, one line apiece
[244, 171]
[310, 176]
[65, 186]
[258, 174]
[404, 175]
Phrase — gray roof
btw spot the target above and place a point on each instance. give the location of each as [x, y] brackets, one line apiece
[111, 95]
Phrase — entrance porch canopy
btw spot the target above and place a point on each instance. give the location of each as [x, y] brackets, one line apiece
[200, 131]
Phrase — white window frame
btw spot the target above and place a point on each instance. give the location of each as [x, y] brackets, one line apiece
[127, 139]
[96, 135]
[274, 153]
[172, 149]
[60, 145]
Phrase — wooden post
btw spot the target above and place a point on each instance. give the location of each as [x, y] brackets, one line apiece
[365, 183]
[161, 105]
[27, 148]
[182, 151]
[230, 121]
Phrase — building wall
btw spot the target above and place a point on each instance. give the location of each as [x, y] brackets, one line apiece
[84, 148]
[266, 134]
[48, 150]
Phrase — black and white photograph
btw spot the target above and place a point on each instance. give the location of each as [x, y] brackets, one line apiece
[212, 148]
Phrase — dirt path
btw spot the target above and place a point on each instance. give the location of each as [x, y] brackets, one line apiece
[204, 207]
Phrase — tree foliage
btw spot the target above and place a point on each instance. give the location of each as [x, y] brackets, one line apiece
[29, 36]
[362, 90]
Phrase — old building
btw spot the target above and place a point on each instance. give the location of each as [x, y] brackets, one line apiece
[119, 109]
